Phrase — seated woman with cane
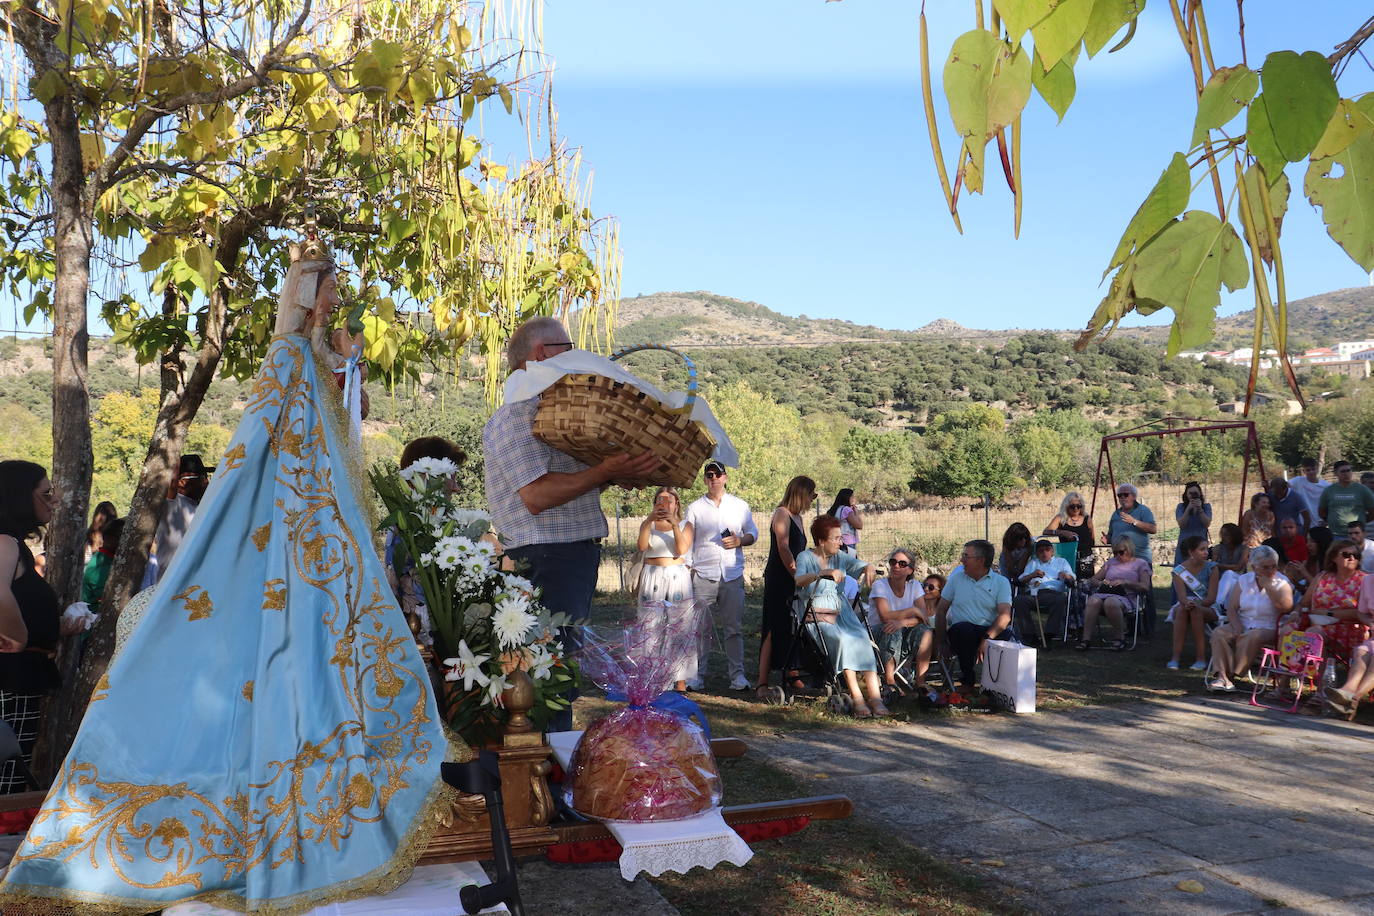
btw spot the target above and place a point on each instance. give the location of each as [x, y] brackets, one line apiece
[820, 575]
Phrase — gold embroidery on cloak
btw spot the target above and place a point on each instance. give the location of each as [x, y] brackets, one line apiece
[200, 605]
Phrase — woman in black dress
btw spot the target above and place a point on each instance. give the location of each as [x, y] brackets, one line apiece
[29, 614]
[1073, 524]
[787, 539]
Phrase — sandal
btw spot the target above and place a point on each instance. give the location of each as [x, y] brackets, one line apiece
[1082, 645]
[861, 711]
[1117, 646]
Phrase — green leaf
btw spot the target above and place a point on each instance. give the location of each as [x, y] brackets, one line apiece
[1057, 87]
[47, 86]
[1184, 267]
[1278, 206]
[1061, 31]
[987, 84]
[156, 254]
[1228, 91]
[206, 272]
[1019, 15]
[1259, 139]
[1300, 97]
[1166, 200]
[1106, 19]
[1343, 187]
[1344, 127]
[400, 228]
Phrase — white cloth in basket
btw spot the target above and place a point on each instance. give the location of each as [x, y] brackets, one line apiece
[679, 846]
[529, 382]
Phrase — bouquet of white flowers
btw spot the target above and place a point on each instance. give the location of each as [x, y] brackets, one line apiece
[485, 621]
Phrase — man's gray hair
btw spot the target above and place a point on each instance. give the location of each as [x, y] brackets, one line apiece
[1263, 554]
[531, 334]
[1129, 486]
[983, 549]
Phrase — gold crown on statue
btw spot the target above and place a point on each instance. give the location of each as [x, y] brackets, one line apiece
[312, 247]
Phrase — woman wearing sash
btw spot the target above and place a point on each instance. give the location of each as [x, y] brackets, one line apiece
[1195, 597]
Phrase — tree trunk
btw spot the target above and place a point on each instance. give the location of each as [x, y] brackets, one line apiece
[182, 396]
[71, 407]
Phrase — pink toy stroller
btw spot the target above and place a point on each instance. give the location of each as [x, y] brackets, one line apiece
[1289, 673]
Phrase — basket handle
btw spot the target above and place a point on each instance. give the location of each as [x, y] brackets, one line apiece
[691, 401]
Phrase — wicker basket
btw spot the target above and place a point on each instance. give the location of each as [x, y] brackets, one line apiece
[592, 417]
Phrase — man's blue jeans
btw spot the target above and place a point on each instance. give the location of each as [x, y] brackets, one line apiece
[566, 573]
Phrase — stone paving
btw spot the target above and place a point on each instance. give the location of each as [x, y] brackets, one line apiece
[1109, 809]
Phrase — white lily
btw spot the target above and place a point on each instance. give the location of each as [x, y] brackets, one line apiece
[467, 668]
[497, 685]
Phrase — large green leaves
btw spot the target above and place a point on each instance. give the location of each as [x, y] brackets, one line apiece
[1019, 15]
[1057, 87]
[1060, 32]
[1165, 201]
[987, 84]
[1343, 186]
[1228, 91]
[1299, 98]
[1106, 19]
[1183, 269]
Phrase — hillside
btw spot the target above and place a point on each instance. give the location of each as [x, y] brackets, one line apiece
[704, 319]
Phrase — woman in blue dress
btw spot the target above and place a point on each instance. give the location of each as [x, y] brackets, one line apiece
[820, 577]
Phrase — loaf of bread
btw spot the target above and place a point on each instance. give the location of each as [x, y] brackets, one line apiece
[643, 764]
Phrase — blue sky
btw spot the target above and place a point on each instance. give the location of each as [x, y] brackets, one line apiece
[777, 152]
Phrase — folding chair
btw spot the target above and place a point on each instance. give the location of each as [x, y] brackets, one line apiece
[10, 751]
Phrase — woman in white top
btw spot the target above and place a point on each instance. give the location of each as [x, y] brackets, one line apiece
[1252, 613]
[666, 541]
[896, 618]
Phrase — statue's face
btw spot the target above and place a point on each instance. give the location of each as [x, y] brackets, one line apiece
[326, 298]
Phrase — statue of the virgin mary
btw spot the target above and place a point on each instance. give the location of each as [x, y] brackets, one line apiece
[267, 739]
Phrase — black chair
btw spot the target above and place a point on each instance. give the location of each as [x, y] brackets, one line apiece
[10, 751]
[483, 777]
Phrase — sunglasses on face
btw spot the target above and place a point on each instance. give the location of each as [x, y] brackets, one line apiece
[1347, 555]
[1075, 505]
[1119, 553]
[710, 474]
[1124, 493]
[902, 563]
[929, 586]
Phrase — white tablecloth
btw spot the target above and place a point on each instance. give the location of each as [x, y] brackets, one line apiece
[431, 891]
[679, 846]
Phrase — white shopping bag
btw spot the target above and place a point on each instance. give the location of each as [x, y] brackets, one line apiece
[1009, 675]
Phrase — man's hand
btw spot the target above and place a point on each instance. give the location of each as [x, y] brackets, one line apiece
[730, 541]
[1127, 517]
[624, 466]
[892, 626]
[982, 648]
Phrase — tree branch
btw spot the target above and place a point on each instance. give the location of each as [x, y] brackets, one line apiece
[1351, 44]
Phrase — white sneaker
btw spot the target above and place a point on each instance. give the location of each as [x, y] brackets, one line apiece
[739, 683]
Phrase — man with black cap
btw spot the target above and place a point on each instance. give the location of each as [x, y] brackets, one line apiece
[183, 498]
[722, 527]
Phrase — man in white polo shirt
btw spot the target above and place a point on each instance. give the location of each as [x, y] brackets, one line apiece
[722, 526]
[1309, 486]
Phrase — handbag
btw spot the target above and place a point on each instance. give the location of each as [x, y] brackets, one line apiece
[1009, 675]
[636, 572]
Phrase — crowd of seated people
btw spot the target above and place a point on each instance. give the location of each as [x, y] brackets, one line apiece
[1278, 571]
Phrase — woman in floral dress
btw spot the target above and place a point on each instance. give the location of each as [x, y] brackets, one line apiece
[1335, 593]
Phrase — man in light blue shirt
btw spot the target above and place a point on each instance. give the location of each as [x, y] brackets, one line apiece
[1132, 520]
[1044, 587]
[975, 606]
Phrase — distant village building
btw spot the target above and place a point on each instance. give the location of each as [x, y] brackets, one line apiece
[1348, 348]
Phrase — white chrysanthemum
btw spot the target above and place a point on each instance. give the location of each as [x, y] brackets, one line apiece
[429, 467]
[516, 583]
[511, 622]
[466, 517]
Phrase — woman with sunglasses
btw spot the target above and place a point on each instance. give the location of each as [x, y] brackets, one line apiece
[1334, 594]
[1194, 517]
[1073, 524]
[1116, 588]
[1345, 699]
[897, 617]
